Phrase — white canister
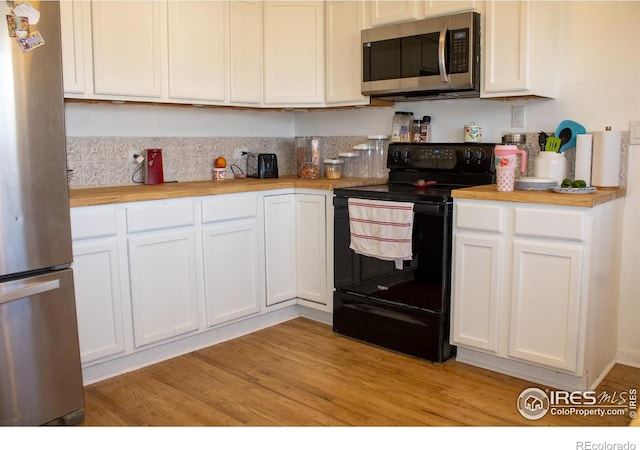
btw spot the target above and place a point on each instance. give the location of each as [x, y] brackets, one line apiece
[550, 165]
[472, 133]
[219, 173]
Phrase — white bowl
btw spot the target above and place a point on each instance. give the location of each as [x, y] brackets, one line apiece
[535, 184]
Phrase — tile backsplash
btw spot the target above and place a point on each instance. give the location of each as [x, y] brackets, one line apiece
[108, 161]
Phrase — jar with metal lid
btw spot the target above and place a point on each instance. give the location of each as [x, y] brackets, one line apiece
[520, 141]
[350, 159]
[333, 168]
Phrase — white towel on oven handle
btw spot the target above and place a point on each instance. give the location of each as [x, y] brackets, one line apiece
[381, 229]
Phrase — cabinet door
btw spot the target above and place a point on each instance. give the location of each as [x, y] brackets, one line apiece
[98, 299]
[293, 53]
[127, 40]
[545, 305]
[231, 268]
[477, 291]
[344, 21]
[74, 20]
[311, 247]
[197, 35]
[280, 248]
[520, 42]
[163, 285]
[386, 12]
[245, 44]
[439, 7]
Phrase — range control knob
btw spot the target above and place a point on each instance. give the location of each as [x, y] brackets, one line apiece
[468, 155]
[406, 154]
[480, 155]
[395, 154]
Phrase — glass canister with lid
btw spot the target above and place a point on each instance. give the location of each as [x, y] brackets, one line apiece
[333, 168]
[308, 158]
[364, 158]
[379, 144]
[350, 167]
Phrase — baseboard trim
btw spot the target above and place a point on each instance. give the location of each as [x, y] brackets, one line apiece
[139, 358]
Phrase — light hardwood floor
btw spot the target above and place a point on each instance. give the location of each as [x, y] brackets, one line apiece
[300, 373]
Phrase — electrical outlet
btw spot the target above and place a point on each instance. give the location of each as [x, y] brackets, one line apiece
[238, 153]
[517, 116]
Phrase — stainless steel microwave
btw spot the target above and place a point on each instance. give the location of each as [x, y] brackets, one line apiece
[435, 57]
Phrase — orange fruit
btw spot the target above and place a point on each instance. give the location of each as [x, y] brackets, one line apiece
[220, 162]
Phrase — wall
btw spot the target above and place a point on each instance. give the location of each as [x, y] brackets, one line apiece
[599, 85]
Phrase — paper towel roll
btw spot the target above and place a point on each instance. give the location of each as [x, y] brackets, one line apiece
[605, 171]
[583, 158]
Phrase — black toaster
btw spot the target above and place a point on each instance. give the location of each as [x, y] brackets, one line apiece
[262, 165]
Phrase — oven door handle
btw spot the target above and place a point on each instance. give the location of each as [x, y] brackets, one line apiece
[431, 209]
[383, 312]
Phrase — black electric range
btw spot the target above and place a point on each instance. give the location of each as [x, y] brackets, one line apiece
[407, 309]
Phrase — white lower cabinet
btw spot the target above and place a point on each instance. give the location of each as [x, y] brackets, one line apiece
[98, 300]
[296, 249]
[477, 291]
[545, 304]
[97, 282]
[154, 279]
[163, 285]
[232, 262]
[533, 294]
[280, 248]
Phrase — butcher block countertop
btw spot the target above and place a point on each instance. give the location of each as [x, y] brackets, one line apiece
[140, 192]
[490, 192]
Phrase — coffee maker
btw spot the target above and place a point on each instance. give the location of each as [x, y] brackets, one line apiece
[153, 172]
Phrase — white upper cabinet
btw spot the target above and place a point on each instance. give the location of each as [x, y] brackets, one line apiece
[127, 48]
[197, 50]
[519, 51]
[76, 42]
[245, 52]
[293, 53]
[440, 7]
[386, 12]
[344, 21]
[235, 53]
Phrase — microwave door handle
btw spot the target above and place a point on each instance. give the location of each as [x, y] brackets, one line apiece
[444, 76]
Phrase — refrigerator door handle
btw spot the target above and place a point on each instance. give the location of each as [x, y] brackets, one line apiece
[7, 294]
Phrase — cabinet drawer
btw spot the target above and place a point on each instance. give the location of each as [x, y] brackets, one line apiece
[159, 215]
[228, 207]
[93, 222]
[550, 223]
[479, 217]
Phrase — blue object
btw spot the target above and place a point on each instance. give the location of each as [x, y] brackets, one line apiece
[575, 129]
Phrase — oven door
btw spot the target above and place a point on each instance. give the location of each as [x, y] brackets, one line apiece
[422, 284]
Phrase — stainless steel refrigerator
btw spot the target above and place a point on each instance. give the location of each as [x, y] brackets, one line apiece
[40, 374]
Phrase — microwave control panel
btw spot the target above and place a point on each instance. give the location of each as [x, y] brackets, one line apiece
[459, 55]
